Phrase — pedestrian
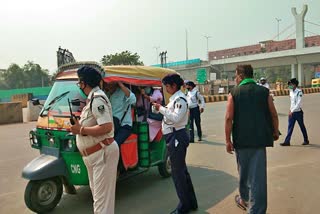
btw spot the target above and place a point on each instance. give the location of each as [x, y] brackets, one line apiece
[295, 113]
[121, 99]
[263, 82]
[194, 99]
[252, 119]
[177, 138]
[95, 141]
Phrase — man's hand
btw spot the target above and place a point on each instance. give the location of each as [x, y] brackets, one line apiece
[201, 110]
[156, 106]
[290, 114]
[75, 129]
[229, 147]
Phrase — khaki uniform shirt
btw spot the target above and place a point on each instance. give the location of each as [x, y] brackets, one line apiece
[101, 113]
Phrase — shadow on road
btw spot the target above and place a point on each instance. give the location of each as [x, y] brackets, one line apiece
[149, 193]
[211, 143]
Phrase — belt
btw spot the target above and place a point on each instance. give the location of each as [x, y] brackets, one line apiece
[88, 151]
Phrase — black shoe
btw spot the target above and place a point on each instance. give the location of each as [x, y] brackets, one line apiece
[199, 139]
[176, 211]
[284, 144]
[305, 143]
[194, 208]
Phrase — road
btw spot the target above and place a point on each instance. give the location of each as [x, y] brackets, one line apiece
[293, 172]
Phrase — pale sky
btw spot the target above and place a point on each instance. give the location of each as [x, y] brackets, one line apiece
[34, 29]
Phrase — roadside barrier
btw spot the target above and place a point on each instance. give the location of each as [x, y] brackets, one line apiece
[284, 92]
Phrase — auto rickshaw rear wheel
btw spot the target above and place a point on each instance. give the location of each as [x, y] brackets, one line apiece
[43, 195]
[165, 167]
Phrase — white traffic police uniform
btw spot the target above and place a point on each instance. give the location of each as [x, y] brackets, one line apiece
[102, 164]
[175, 113]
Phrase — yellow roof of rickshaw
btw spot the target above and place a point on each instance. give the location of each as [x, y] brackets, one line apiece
[138, 71]
[125, 71]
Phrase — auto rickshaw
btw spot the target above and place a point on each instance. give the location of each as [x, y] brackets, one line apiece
[60, 163]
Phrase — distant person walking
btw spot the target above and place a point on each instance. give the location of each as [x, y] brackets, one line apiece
[194, 98]
[263, 82]
[295, 113]
[252, 119]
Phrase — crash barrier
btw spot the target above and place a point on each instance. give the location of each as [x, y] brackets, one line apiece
[284, 92]
[215, 98]
[11, 112]
[23, 98]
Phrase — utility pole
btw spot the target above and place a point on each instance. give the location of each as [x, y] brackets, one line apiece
[157, 47]
[207, 37]
[278, 20]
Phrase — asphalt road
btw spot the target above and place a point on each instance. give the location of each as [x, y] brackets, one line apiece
[293, 172]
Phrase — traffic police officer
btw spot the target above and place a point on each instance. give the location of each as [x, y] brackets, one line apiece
[194, 98]
[295, 113]
[177, 139]
[95, 141]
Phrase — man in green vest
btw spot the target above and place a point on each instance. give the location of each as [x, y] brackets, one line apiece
[252, 119]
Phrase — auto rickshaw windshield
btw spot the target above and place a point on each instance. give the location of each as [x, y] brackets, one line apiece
[61, 106]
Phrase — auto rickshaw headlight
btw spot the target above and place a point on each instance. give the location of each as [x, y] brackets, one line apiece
[51, 140]
[69, 143]
[33, 139]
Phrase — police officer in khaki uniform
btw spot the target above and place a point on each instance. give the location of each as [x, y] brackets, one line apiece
[95, 141]
[175, 119]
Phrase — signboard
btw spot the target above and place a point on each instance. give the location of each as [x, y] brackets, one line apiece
[317, 75]
[180, 63]
[201, 75]
[213, 76]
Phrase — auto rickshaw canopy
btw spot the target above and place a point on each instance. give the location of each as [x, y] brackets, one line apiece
[134, 75]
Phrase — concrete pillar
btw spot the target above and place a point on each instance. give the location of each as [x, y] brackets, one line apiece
[300, 75]
[294, 69]
[299, 18]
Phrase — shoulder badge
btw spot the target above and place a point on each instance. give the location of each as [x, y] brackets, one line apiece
[101, 108]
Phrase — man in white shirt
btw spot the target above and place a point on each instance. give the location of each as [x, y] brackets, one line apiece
[295, 113]
[263, 82]
[194, 98]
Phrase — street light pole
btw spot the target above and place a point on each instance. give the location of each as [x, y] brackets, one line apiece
[157, 47]
[278, 20]
[207, 37]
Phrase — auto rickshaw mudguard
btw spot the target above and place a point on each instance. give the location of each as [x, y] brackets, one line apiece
[44, 166]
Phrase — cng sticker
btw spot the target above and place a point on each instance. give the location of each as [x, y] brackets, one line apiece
[75, 168]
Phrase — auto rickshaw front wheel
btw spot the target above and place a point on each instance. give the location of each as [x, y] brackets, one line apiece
[42, 196]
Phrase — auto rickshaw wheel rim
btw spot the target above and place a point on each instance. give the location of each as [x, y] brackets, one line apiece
[168, 164]
[47, 192]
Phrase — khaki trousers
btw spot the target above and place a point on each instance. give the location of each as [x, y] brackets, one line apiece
[102, 171]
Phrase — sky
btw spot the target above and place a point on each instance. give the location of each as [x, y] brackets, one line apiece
[33, 30]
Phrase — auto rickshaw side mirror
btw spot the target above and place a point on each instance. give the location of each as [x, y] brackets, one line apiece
[35, 102]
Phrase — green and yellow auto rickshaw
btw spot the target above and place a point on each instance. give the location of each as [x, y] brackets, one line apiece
[60, 163]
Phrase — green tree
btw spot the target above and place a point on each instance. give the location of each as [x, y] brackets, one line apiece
[30, 75]
[35, 76]
[123, 58]
[13, 77]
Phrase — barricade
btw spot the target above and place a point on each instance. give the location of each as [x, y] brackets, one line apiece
[11, 113]
[23, 98]
[283, 92]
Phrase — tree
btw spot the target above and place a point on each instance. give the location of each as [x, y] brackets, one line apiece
[35, 76]
[13, 77]
[30, 75]
[123, 58]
